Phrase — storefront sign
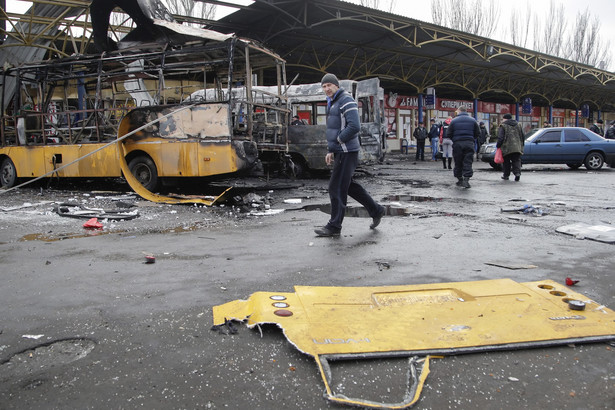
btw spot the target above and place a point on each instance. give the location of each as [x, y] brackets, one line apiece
[452, 105]
[394, 100]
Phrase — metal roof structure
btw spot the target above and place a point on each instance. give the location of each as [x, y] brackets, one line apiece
[355, 42]
[318, 36]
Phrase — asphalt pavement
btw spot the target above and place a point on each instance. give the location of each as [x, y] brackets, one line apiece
[87, 323]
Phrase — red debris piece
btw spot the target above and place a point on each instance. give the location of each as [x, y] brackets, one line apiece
[570, 282]
[93, 224]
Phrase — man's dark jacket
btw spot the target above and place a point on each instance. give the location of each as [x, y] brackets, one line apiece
[463, 128]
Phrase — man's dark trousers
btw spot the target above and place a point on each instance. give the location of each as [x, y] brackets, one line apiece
[463, 154]
[420, 150]
[512, 161]
[341, 185]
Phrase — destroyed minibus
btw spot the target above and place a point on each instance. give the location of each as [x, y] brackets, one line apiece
[94, 115]
[307, 142]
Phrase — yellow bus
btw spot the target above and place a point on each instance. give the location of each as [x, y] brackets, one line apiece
[82, 116]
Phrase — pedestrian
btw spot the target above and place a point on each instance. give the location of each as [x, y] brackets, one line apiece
[446, 144]
[547, 124]
[610, 133]
[511, 140]
[597, 128]
[484, 136]
[463, 130]
[434, 138]
[343, 126]
[420, 134]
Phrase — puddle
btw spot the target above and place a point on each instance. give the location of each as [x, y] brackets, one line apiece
[412, 198]
[49, 237]
[45, 356]
[61, 236]
[390, 210]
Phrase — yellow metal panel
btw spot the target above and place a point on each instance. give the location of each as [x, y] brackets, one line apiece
[360, 322]
[425, 318]
[150, 196]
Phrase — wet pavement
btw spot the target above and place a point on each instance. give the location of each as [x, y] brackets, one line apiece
[85, 322]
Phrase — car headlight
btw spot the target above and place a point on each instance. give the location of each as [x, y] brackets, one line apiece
[489, 149]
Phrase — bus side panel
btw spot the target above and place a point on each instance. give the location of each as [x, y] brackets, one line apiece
[225, 157]
[35, 161]
[310, 142]
[28, 161]
[188, 142]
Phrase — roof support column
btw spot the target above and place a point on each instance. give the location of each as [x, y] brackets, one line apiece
[421, 96]
[517, 111]
[576, 117]
[475, 109]
[550, 114]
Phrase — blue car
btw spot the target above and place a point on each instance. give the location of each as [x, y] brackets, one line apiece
[572, 146]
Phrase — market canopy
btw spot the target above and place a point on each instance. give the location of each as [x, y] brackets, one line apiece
[318, 36]
[355, 42]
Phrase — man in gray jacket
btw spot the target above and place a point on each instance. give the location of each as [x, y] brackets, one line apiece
[511, 140]
[343, 126]
[463, 131]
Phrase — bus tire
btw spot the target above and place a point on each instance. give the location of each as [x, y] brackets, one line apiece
[8, 174]
[144, 169]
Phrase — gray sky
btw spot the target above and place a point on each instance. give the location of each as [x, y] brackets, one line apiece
[603, 9]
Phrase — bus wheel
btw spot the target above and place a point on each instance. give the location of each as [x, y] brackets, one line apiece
[8, 174]
[144, 169]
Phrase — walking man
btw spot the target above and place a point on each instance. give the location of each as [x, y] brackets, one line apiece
[420, 134]
[463, 131]
[511, 140]
[484, 136]
[343, 126]
[434, 138]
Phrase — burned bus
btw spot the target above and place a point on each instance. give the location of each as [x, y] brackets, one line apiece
[307, 145]
[93, 115]
[306, 141]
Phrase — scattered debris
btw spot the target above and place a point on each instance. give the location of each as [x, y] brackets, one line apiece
[267, 212]
[511, 265]
[528, 210]
[93, 224]
[25, 205]
[570, 282]
[226, 328]
[35, 337]
[580, 230]
[292, 201]
[76, 210]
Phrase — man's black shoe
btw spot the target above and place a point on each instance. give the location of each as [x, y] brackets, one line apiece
[326, 232]
[459, 181]
[376, 219]
[505, 178]
[517, 178]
